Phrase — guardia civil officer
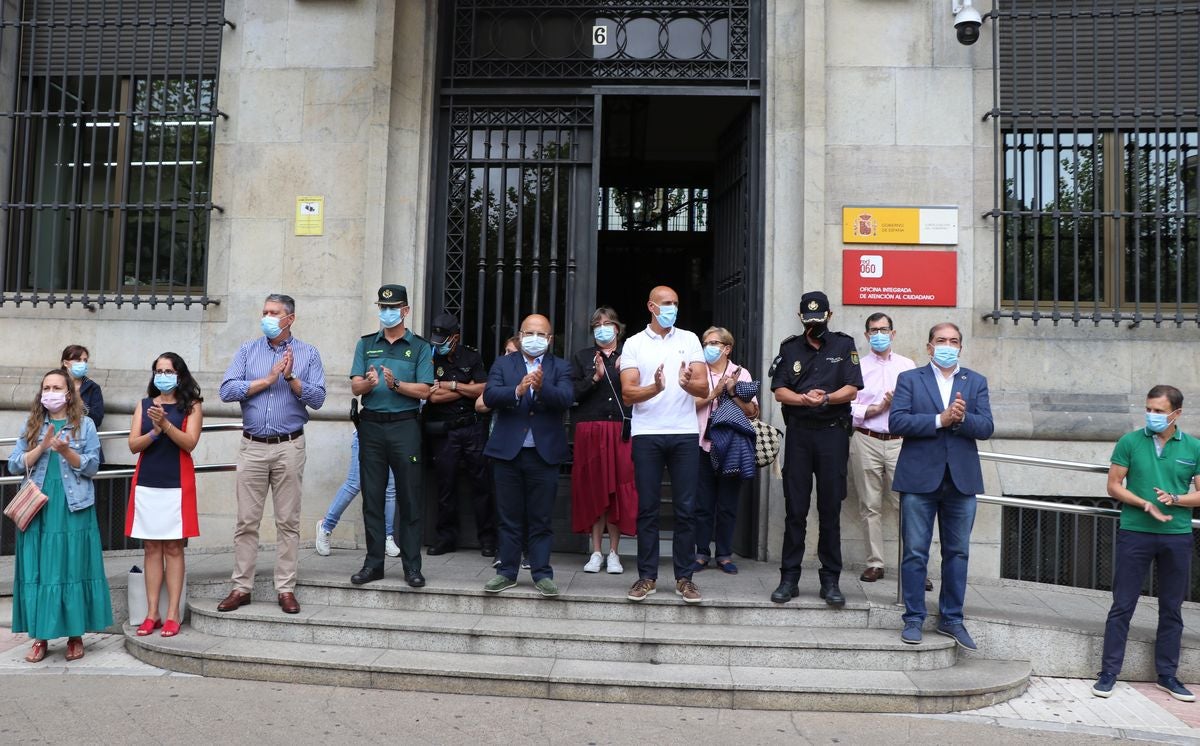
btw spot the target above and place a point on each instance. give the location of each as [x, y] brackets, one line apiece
[815, 376]
[457, 436]
[392, 372]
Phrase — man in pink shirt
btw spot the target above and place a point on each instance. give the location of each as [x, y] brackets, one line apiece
[873, 450]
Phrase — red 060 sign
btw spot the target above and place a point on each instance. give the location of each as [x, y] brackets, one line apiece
[874, 277]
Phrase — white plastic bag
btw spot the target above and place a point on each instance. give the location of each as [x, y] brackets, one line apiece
[136, 597]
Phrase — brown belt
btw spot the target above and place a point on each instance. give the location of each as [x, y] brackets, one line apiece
[878, 436]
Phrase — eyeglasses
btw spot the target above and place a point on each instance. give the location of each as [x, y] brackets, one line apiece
[164, 372]
[880, 330]
[539, 335]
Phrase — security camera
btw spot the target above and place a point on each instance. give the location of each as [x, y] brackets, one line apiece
[966, 21]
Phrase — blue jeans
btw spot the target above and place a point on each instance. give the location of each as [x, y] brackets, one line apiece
[955, 513]
[350, 489]
[716, 509]
[1172, 558]
[678, 454]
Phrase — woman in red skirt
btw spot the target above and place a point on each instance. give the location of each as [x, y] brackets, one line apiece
[603, 495]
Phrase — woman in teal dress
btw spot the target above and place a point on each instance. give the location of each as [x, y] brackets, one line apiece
[59, 586]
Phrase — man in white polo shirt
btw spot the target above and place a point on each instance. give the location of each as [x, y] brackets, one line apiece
[662, 368]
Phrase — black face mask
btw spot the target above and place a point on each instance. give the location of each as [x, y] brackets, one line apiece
[815, 329]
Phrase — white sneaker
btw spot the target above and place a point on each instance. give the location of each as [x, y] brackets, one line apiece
[614, 564]
[391, 548]
[593, 565]
[323, 539]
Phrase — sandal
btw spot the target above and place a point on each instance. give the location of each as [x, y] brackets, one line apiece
[727, 567]
[148, 626]
[74, 648]
[170, 628]
[38, 651]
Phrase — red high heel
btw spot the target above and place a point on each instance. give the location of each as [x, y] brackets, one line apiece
[148, 626]
[170, 628]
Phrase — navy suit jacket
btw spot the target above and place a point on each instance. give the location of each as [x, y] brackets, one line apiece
[543, 413]
[927, 449]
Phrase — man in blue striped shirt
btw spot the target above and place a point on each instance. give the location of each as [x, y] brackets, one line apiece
[277, 379]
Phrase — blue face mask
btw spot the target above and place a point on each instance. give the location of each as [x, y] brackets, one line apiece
[79, 370]
[605, 333]
[945, 356]
[270, 327]
[443, 349]
[534, 346]
[881, 341]
[1157, 422]
[712, 353]
[666, 316]
[166, 382]
[390, 317]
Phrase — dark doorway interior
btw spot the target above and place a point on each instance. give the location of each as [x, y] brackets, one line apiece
[658, 165]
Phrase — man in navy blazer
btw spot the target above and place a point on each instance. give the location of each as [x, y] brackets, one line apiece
[940, 409]
[528, 391]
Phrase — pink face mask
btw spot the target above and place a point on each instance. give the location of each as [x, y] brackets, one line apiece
[54, 400]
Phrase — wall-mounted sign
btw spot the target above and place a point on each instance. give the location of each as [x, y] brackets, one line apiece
[900, 225]
[310, 216]
[901, 277]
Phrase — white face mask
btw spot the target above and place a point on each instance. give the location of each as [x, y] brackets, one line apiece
[534, 346]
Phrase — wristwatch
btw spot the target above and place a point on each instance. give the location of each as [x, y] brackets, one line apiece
[290, 377]
[454, 385]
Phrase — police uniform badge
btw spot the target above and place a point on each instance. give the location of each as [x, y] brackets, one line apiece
[796, 367]
[854, 357]
[408, 353]
[441, 371]
[813, 305]
[386, 294]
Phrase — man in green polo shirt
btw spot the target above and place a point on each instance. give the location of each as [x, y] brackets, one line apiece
[392, 372]
[1150, 467]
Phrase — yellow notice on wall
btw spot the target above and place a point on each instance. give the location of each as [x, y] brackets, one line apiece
[310, 216]
[900, 225]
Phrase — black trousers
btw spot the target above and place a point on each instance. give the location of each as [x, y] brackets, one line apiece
[395, 446]
[463, 447]
[525, 492]
[808, 453]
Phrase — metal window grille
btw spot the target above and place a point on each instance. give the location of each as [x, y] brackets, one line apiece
[1071, 550]
[1097, 194]
[654, 209]
[107, 113]
[602, 40]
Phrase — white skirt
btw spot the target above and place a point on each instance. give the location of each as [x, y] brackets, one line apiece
[157, 513]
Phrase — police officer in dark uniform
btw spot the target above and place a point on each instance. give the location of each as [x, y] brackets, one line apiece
[457, 435]
[392, 372]
[815, 376]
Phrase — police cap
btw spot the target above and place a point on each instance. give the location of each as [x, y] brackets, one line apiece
[393, 295]
[813, 305]
[444, 327]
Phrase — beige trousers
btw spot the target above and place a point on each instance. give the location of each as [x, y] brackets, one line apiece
[280, 467]
[872, 468]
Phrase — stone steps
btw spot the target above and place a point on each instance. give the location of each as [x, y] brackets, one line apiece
[541, 636]
[970, 683]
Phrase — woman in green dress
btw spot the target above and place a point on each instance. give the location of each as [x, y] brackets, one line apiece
[59, 585]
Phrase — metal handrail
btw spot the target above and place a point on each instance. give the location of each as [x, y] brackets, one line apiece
[111, 434]
[119, 473]
[1009, 458]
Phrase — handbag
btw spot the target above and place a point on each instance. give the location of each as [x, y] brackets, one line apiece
[767, 440]
[25, 504]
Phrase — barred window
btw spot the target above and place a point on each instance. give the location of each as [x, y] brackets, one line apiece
[1096, 138]
[109, 122]
[654, 209]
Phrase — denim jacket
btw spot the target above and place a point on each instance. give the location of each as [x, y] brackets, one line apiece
[76, 482]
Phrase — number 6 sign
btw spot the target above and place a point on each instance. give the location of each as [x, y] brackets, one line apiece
[599, 36]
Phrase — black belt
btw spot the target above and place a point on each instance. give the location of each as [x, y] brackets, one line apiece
[877, 436]
[372, 416]
[273, 439]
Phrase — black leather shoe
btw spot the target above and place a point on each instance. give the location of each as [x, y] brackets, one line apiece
[437, 549]
[928, 584]
[366, 575]
[786, 591]
[833, 595]
[414, 578]
[487, 550]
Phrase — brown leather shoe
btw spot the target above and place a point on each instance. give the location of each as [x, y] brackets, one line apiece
[871, 574]
[234, 600]
[289, 604]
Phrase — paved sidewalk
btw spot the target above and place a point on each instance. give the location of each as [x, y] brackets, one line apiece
[1050, 708]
